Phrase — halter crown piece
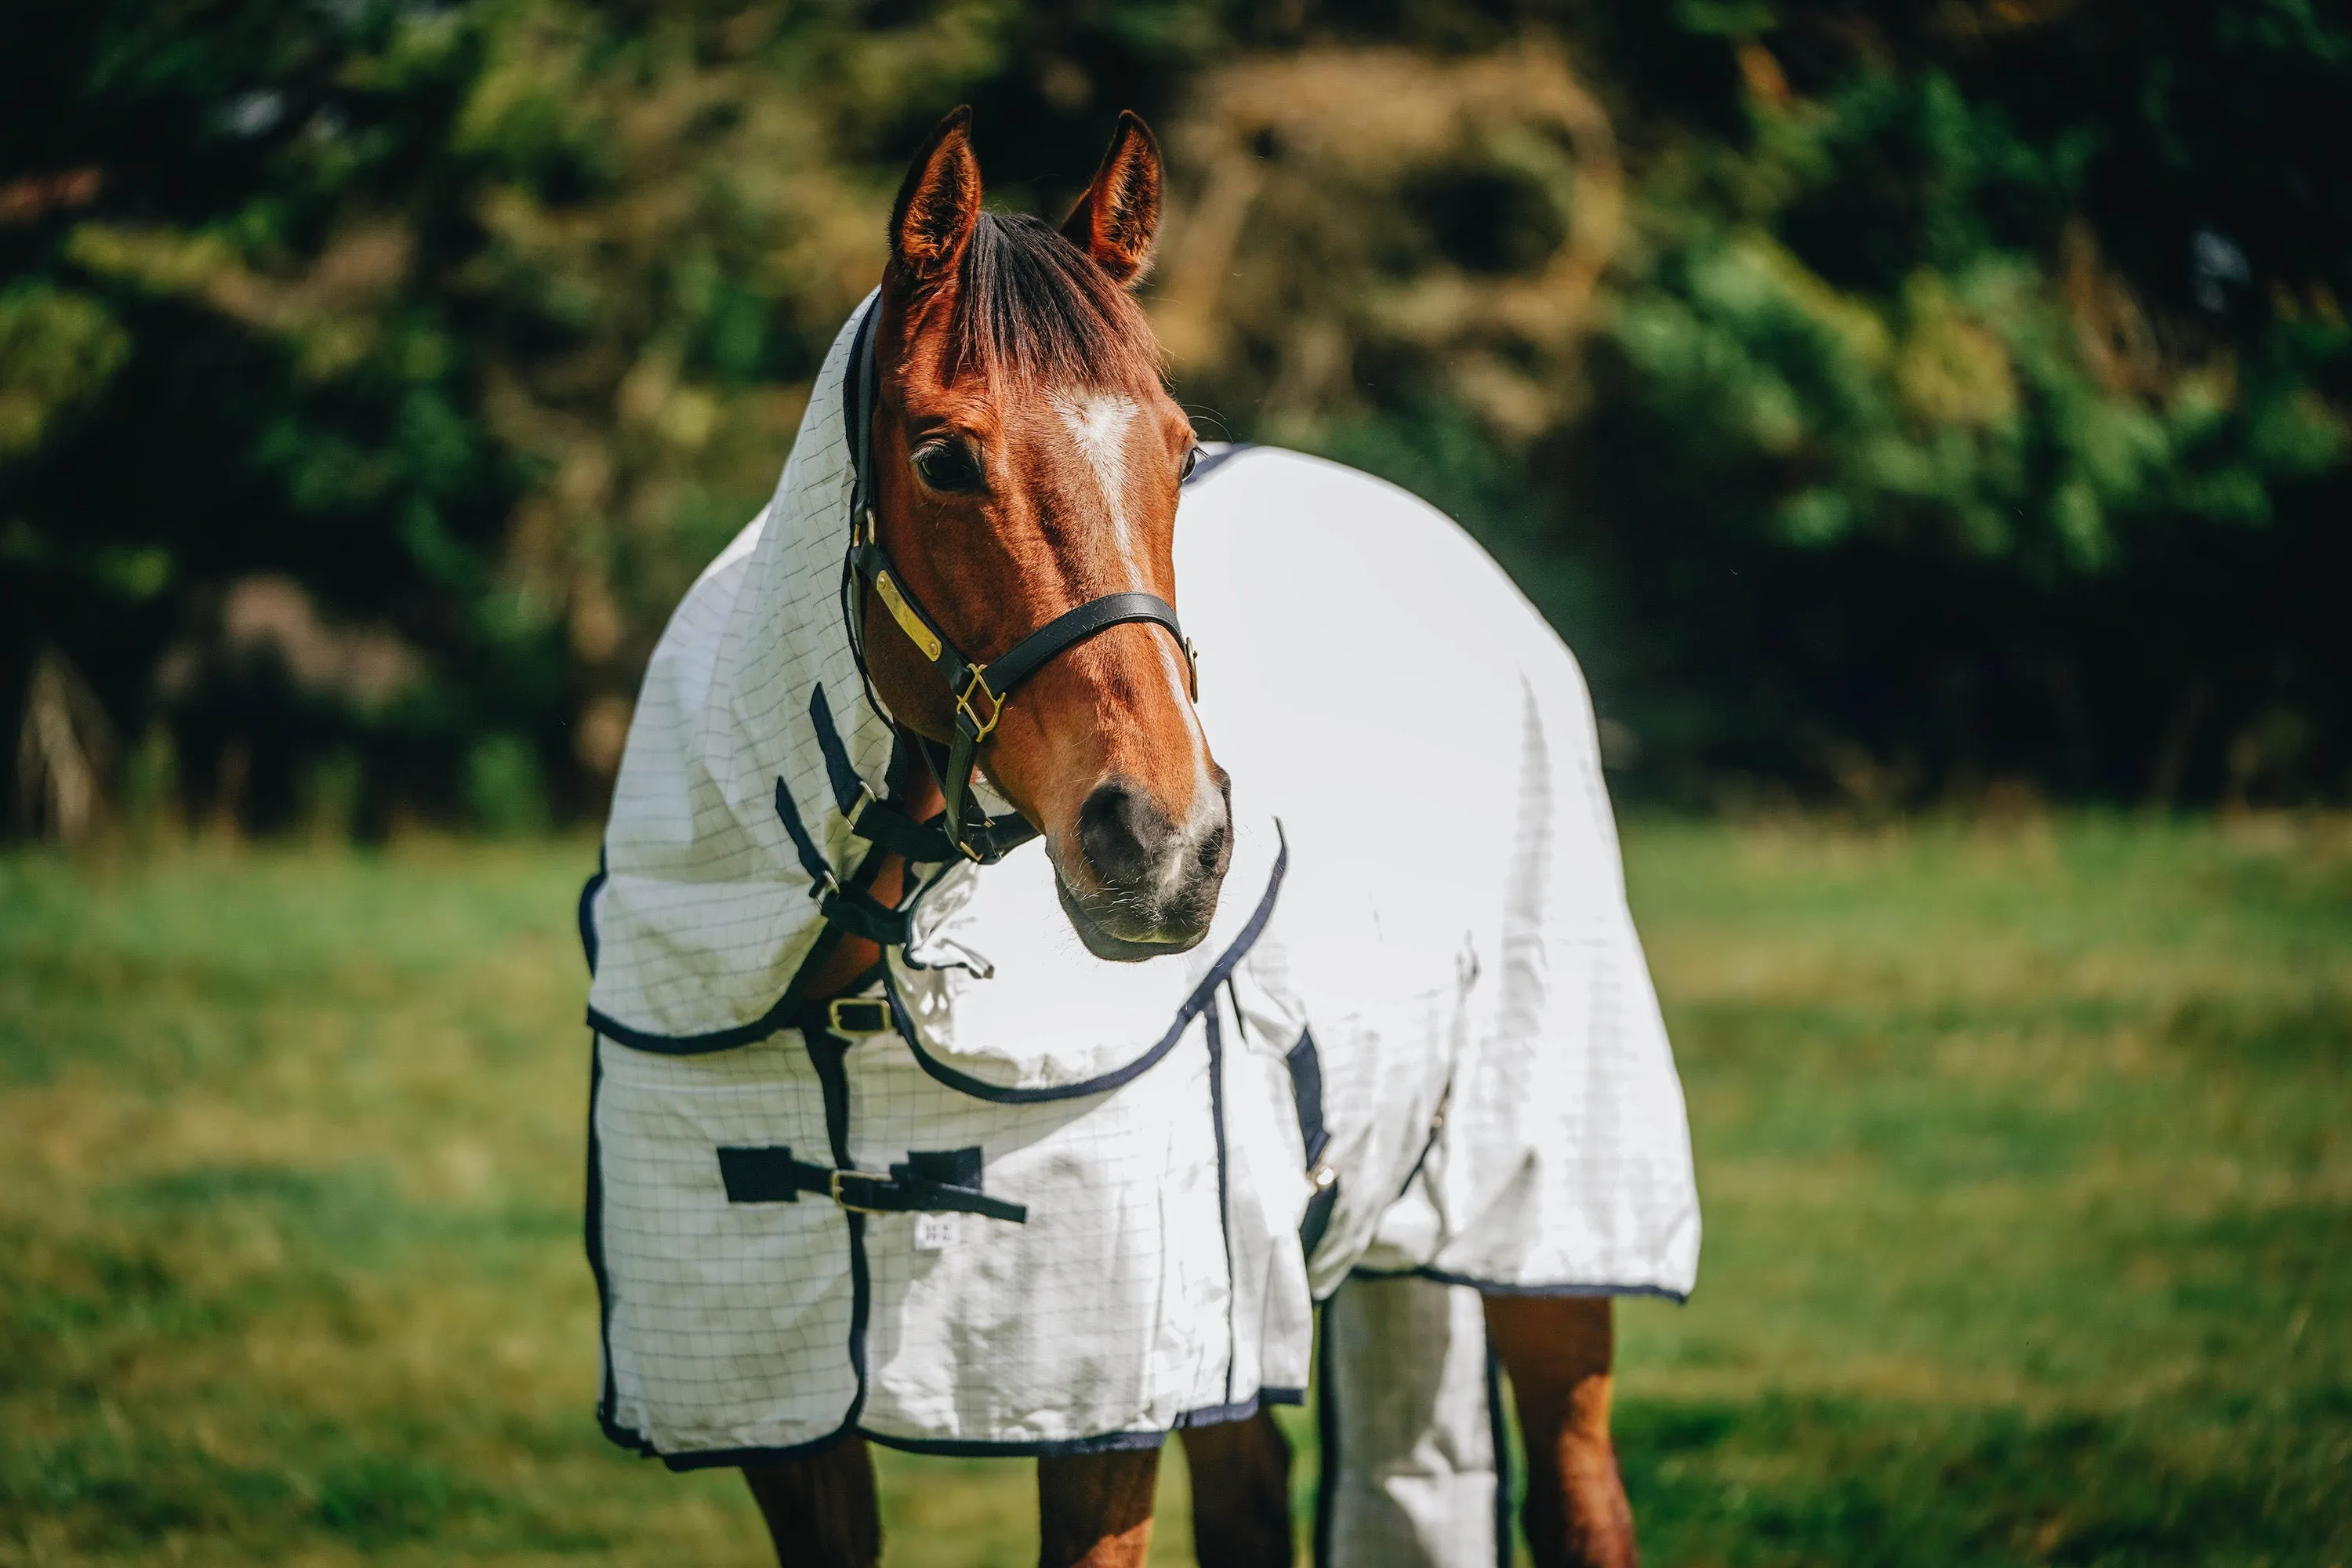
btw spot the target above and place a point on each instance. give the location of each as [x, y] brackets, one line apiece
[978, 691]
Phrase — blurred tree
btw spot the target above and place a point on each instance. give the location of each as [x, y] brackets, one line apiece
[1884, 399]
[1964, 399]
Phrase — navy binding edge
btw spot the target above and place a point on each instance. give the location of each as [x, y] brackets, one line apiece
[1494, 1287]
[1193, 1008]
[959, 1449]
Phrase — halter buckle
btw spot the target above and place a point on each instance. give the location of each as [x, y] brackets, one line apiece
[838, 1177]
[858, 1015]
[975, 681]
[857, 808]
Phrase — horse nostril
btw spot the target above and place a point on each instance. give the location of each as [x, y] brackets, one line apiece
[1123, 833]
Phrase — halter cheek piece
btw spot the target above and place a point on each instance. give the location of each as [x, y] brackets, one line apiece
[978, 691]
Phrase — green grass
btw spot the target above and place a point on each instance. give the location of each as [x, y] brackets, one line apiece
[2028, 1184]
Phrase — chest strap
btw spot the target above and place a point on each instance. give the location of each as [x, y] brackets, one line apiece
[1307, 1092]
[925, 1183]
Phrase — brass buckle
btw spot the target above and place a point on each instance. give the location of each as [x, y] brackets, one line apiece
[976, 680]
[839, 1020]
[857, 808]
[834, 1185]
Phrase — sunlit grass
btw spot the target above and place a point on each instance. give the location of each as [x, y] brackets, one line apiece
[2029, 1212]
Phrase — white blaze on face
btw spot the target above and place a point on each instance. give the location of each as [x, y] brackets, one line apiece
[1099, 423]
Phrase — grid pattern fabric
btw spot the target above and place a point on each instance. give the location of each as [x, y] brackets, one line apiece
[1450, 932]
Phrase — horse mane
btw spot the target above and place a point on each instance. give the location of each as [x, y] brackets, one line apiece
[1030, 303]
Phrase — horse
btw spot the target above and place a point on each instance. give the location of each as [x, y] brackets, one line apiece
[1013, 466]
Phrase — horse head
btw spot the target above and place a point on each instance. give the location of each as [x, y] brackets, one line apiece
[1026, 461]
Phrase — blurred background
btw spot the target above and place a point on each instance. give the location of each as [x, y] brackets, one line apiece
[1893, 404]
[1927, 423]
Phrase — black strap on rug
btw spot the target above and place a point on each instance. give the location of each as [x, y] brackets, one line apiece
[927, 1181]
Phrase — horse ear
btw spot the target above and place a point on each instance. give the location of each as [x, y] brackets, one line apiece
[1118, 218]
[939, 201]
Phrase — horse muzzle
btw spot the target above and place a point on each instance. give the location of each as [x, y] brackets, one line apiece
[1145, 884]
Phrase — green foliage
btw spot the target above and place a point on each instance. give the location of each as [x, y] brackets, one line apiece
[1934, 394]
[56, 350]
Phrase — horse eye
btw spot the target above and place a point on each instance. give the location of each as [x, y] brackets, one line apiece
[1191, 459]
[948, 466]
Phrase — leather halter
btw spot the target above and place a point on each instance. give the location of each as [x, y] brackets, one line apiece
[979, 690]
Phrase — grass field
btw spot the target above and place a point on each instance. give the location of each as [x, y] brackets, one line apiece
[2026, 1156]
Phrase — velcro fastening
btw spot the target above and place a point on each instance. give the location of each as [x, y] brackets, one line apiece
[769, 1175]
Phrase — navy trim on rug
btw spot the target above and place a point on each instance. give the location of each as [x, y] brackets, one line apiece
[1108, 1442]
[587, 914]
[1489, 1287]
[1216, 1042]
[768, 1023]
[1203, 994]
[592, 1227]
[959, 1449]
[771, 1022]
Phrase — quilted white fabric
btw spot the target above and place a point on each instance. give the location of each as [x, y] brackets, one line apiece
[1425, 887]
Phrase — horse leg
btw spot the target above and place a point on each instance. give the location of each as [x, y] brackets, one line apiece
[1558, 1350]
[1241, 1493]
[1094, 1510]
[820, 1507]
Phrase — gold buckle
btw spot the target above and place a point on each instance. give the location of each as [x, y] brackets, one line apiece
[833, 1016]
[976, 681]
[864, 799]
[834, 1183]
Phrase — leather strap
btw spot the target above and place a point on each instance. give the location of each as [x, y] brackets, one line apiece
[979, 691]
[1074, 626]
[771, 1175]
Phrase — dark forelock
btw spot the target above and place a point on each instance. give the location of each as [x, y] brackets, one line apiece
[1031, 304]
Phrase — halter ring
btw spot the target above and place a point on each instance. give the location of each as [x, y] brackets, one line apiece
[976, 681]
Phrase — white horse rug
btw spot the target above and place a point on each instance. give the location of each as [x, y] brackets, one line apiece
[1421, 1027]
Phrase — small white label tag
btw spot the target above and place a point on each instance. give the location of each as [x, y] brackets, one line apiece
[936, 1232]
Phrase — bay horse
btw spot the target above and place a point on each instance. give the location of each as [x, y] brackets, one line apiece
[1028, 459]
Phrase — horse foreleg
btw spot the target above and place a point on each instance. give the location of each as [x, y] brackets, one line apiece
[820, 1507]
[1241, 1493]
[1094, 1510]
[1557, 1352]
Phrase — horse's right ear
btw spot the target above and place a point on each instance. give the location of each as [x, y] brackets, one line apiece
[940, 201]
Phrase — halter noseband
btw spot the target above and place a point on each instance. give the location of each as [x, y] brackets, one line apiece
[978, 691]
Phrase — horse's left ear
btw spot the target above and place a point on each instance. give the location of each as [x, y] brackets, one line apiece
[1118, 218]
